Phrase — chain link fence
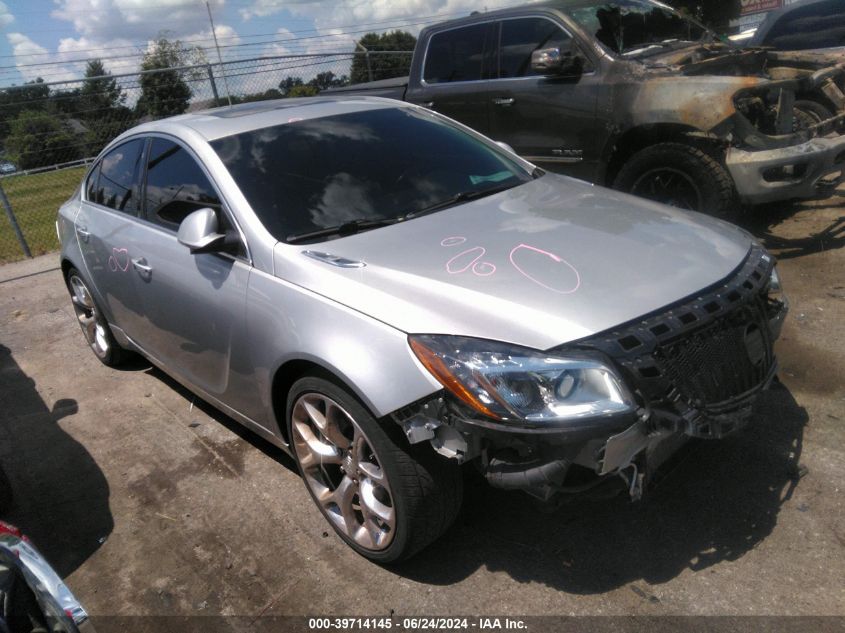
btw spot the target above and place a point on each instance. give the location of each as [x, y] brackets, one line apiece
[51, 131]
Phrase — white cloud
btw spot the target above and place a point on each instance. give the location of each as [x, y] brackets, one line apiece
[27, 52]
[6, 17]
[104, 20]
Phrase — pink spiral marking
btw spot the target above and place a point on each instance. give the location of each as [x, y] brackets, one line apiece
[453, 241]
[555, 258]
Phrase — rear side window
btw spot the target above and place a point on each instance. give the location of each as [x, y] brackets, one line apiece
[456, 55]
[91, 187]
[176, 185]
[522, 37]
[118, 184]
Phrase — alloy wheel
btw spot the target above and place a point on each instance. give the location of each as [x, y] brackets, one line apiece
[343, 472]
[88, 316]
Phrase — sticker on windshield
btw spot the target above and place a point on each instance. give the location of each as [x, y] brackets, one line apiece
[499, 176]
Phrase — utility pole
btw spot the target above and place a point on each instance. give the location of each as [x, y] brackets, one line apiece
[219, 57]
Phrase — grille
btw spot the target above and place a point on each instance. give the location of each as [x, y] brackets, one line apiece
[719, 362]
[702, 360]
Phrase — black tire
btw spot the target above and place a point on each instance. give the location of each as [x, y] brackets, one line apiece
[809, 113]
[6, 495]
[679, 175]
[97, 333]
[425, 489]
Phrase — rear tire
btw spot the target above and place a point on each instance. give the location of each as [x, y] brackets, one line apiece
[679, 175]
[387, 500]
[94, 325]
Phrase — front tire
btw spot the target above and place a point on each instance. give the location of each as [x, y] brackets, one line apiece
[679, 175]
[387, 500]
[94, 325]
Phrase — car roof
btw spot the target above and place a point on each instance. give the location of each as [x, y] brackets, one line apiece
[773, 17]
[215, 123]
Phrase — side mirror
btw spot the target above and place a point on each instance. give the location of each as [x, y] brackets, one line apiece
[199, 233]
[554, 61]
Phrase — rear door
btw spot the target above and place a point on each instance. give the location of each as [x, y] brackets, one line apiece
[549, 120]
[455, 66]
[106, 230]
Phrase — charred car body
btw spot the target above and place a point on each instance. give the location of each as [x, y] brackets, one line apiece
[631, 94]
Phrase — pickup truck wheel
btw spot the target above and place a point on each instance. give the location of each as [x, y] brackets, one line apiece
[809, 113]
[93, 323]
[679, 175]
[387, 500]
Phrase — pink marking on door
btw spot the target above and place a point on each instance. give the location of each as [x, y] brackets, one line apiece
[453, 241]
[119, 260]
[564, 290]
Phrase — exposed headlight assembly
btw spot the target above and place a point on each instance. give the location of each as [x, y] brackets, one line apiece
[509, 383]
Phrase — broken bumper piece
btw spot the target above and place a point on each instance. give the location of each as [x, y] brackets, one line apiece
[809, 170]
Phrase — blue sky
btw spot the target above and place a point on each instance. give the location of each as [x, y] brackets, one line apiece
[46, 38]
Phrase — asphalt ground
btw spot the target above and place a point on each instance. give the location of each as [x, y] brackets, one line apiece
[150, 503]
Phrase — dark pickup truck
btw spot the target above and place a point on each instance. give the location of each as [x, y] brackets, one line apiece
[634, 95]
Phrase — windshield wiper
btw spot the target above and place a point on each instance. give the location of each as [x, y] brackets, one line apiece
[356, 226]
[463, 196]
[347, 228]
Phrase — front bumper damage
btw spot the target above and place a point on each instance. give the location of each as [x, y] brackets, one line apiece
[812, 169]
[769, 156]
[696, 369]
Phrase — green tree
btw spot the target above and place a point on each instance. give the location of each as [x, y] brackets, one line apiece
[328, 80]
[302, 90]
[37, 139]
[100, 92]
[383, 66]
[289, 83]
[164, 92]
[33, 95]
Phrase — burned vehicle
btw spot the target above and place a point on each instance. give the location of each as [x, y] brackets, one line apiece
[389, 296]
[633, 95]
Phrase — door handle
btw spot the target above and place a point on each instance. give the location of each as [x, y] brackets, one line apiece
[141, 266]
[504, 101]
[83, 233]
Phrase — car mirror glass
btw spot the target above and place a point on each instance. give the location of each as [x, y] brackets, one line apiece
[556, 61]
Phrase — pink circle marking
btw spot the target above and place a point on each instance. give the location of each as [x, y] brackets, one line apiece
[553, 257]
[453, 241]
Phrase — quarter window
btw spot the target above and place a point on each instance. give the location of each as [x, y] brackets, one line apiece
[523, 36]
[176, 185]
[456, 55]
[91, 188]
[119, 178]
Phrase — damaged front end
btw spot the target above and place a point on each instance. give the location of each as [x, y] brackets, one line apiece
[785, 136]
[614, 405]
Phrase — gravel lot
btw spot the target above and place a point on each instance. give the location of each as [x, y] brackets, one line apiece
[151, 503]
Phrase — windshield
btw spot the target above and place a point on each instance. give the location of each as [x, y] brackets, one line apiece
[636, 27]
[380, 164]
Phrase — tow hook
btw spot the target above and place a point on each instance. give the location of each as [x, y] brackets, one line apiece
[634, 482]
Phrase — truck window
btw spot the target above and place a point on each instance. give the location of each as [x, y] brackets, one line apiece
[456, 55]
[523, 36]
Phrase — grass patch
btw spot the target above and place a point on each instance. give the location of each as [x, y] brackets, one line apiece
[35, 200]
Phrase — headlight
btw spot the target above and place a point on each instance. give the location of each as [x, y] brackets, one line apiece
[775, 289]
[506, 382]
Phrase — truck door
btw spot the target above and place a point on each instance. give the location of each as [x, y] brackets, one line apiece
[454, 67]
[549, 120]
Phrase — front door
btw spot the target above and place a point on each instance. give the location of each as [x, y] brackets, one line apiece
[194, 303]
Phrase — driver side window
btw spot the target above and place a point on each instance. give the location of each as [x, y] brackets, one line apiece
[176, 185]
[521, 37]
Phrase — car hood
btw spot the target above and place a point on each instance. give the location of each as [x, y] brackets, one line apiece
[539, 265]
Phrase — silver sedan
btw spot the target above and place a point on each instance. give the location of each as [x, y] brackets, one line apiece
[391, 298]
